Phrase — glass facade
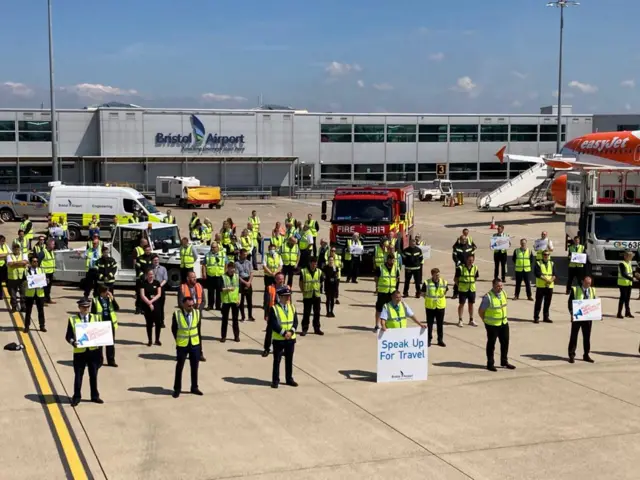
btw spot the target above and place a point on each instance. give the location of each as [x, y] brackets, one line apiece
[34, 131]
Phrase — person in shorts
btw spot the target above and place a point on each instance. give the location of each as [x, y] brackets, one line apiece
[465, 279]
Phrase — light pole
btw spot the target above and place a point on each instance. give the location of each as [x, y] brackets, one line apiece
[54, 128]
[561, 4]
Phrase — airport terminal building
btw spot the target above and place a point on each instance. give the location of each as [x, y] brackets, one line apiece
[278, 149]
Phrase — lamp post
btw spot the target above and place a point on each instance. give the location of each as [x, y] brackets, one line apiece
[561, 4]
[54, 128]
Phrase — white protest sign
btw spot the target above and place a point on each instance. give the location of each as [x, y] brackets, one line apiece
[94, 334]
[56, 232]
[587, 310]
[402, 355]
[500, 243]
[356, 250]
[39, 280]
[541, 244]
[579, 258]
[426, 251]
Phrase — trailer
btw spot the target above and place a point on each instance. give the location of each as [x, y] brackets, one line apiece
[186, 192]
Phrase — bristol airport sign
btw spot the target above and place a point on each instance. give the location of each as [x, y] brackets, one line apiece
[200, 142]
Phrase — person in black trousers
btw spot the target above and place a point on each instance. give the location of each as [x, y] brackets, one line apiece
[4, 252]
[545, 272]
[500, 257]
[150, 295]
[490, 311]
[435, 301]
[105, 307]
[625, 284]
[576, 270]
[310, 281]
[283, 320]
[330, 276]
[523, 261]
[270, 299]
[230, 303]
[352, 261]
[184, 327]
[412, 260]
[34, 295]
[584, 292]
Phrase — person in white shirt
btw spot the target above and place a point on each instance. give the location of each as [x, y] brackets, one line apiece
[549, 245]
[401, 311]
[17, 263]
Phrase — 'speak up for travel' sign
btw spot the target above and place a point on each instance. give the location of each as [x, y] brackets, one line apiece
[199, 142]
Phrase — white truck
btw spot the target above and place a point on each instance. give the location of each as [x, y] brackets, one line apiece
[439, 190]
[164, 239]
[603, 210]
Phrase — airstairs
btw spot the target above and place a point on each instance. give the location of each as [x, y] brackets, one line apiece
[535, 180]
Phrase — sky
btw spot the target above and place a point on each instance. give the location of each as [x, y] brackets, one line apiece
[429, 56]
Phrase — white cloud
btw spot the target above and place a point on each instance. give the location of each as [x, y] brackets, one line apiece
[382, 86]
[217, 97]
[360, 83]
[554, 94]
[98, 91]
[436, 57]
[516, 104]
[583, 87]
[631, 83]
[519, 75]
[466, 85]
[336, 69]
[17, 89]
[627, 107]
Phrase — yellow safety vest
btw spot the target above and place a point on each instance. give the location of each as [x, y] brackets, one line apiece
[206, 233]
[277, 240]
[313, 224]
[226, 237]
[247, 243]
[273, 262]
[546, 271]
[24, 244]
[290, 254]
[575, 249]
[291, 232]
[304, 243]
[187, 258]
[311, 283]
[255, 223]
[623, 282]
[467, 279]
[112, 313]
[74, 320]
[192, 222]
[185, 332]
[48, 263]
[387, 279]
[379, 256]
[523, 260]
[4, 249]
[215, 264]
[285, 319]
[578, 293]
[23, 227]
[232, 296]
[32, 292]
[396, 318]
[168, 219]
[435, 296]
[15, 273]
[89, 252]
[347, 252]
[496, 313]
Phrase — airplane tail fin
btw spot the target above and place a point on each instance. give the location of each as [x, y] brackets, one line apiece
[500, 154]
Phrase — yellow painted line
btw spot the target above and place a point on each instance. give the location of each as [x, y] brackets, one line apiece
[71, 456]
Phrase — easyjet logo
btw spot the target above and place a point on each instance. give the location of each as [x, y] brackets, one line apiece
[600, 145]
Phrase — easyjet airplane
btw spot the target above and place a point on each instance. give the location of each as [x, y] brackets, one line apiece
[603, 150]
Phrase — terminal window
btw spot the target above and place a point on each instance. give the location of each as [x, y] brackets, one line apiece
[373, 172]
[621, 128]
[336, 133]
[7, 131]
[463, 133]
[433, 133]
[335, 171]
[463, 171]
[524, 133]
[34, 131]
[494, 133]
[369, 133]
[549, 133]
[401, 172]
[426, 172]
[401, 133]
[516, 168]
[493, 171]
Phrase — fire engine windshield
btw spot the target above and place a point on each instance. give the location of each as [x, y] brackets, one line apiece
[617, 226]
[362, 211]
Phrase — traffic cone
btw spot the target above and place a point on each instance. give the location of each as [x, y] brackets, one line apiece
[493, 224]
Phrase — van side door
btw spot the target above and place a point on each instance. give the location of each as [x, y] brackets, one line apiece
[21, 204]
[38, 206]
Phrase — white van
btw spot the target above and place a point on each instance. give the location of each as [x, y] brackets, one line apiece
[78, 204]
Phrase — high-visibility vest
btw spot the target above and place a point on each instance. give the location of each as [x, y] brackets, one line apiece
[285, 319]
[90, 254]
[523, 260]
[23, 226]
[379, 256]
[496, 313]
[32, 292]
[396, 318]
[226, 237]
[192, 222]
[255, 223]
[38, 248]
[215, 264]
[387, 279]
[233, 295]
[139, 251]
[311, 283]
[207, 231]
[4, 249]
[291, 232]
[575, 249]
[48, 262]
[247, 243]
[187, 258]
[122, 219]
[623, 282]
[499, 235]
[469, 240]
[350, 243]
[290, 254]
[24, 244]
[578, 293]
[197, 234]
[313, 227]
[186, 333]
[100, 245]
[277, 240]
[291, 220]
[74, 320]
[304, 242]
[168, 219]
[545, 271]
[112, 313]
[15, 273]
[467, 278]
[186, 292]
[273, 262]
[435, 296]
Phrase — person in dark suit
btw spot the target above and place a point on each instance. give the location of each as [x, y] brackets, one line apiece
[184, 327]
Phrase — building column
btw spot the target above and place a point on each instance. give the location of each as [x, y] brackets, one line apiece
[18, 174]
[146, 174]
[83, 172]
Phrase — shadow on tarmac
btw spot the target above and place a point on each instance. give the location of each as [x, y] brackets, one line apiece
[357, 328]
[617, 354]
[471, 366]
[543, 357]
[121, 341]
[257, 382]
[359, 375]
[157, 356]
[152, 390]
[246, 351]
[44, 399]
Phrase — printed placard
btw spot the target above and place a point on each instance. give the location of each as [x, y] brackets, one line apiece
[587, 310]
[541, 244]
[578, 258]
[402, 355]
[500, 243]
[94, 334]
[39, 280]
[426, 251]
[356, 250]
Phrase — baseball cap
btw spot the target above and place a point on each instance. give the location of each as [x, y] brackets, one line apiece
[284, 290]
